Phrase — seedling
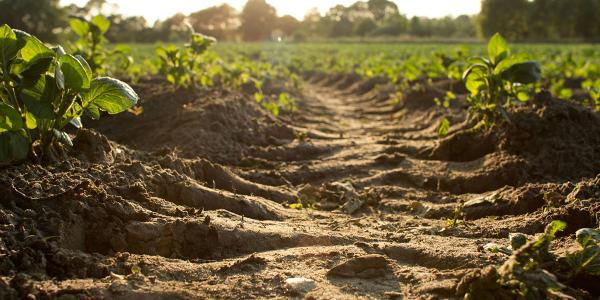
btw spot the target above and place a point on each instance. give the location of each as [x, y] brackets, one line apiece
[182, 65]
[43, 90]
[586, 260]
[458, 216]
[91, 41]
[494, 82]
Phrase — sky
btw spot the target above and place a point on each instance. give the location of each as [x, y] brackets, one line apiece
[154, 10]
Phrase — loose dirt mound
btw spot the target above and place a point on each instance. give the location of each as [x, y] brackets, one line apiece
[191, 199]
[215, 124]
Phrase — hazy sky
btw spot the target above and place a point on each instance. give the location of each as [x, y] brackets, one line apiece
[161, 9]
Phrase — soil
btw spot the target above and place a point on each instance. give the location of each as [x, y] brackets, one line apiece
[206, 195]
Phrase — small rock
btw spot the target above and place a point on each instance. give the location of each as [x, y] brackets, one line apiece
[368, 266]
[300, 285]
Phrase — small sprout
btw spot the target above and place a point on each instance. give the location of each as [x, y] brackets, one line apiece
[443, 128]
[135, 269]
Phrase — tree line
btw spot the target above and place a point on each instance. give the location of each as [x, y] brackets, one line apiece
[518, 20]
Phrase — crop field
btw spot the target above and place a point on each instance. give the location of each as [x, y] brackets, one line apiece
[202, 169]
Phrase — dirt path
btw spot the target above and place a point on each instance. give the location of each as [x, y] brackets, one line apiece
[379, 183]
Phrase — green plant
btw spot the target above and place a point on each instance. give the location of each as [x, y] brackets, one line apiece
[91, 40]
[588, 258]
[494, 82]
[181, 65]
[523, 275]
[43, 90]
[458, 215]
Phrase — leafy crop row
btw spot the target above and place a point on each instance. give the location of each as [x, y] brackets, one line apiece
[43, 90]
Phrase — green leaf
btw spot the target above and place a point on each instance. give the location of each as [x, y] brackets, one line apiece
[30, 121]
[10, 118]
[524, 73]
[498, 49]
[86, 66]
[585, 236]
[80, 27]
[475, 81]
[513, 59]
[586, 259]
[76, 76]
[102, 23]
[110, 95]
[76, 122]
[38, 99]
[443, 128]
[517, 240]
[14, 146]
[63, 137]
[200, 43]
[9, 45]
[474, 67]
[555, 227]
[33, 48]
[36, 68]
[59, 77]
[93, 111]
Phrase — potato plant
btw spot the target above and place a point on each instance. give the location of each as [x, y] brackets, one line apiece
[181, 66]
[495, 81]
[43, 90]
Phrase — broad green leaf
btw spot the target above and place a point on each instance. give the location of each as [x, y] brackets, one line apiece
[479, 67]
[80, 27]
[36, 68]
[33, 48]
[9, 45]
[524, 73]
[76, 76]
[498, 49]
[14, 146]
[30, 121]
[110, 95]
[39, 97]
[513, 59]
[10, 118]
[102, 23]
[93, 111]
[475, 81]
[86, 66]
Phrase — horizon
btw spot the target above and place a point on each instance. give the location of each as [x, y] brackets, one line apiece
[152, 10]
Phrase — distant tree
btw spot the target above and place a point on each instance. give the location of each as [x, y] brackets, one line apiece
[420, 27]
[288, 25]
[219, 21]
[541, 20]
[465, 27]
[365, 27]
[127, 29]
[172, 29]
[587, 20]
[508, 17]
[393, 26]
[383, 9]
[39, 17]
[258, 20]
